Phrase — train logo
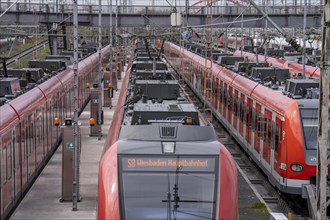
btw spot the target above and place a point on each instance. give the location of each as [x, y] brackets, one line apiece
[131, 163]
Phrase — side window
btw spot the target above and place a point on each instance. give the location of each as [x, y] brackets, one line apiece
[254, 120]
[4, 164]
[269, 132]
[242, 110]
[9, 164]
[27, 144]
[277, 136]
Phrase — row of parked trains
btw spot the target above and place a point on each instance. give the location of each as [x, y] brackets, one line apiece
[28, 136]
[273, 115]
[161, 160]
[283, 56]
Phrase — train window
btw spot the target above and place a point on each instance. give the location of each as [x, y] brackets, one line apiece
[242, 111]
[269, 132]
[31, 138]
[17, 148]
[261, 126]
[26, 142]
[249, 117]
[234, 106]
[189, 192]
[9, 162]
[277, 137]
[255, 121]
[4, 164]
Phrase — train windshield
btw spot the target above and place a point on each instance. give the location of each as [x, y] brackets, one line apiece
[168, 187]
[310, 124]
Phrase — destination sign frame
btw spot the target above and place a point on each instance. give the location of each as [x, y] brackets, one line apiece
[154, 163]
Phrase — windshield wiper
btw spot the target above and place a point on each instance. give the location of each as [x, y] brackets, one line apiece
[169, 206]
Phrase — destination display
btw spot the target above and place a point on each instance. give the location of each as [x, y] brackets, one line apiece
[136, 163]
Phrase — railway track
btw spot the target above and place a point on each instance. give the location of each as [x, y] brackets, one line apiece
[24, 53]
[273, 200]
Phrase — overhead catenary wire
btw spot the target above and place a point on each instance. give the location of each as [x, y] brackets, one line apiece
[224, 23]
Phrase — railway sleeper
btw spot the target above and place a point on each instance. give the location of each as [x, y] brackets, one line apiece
[270, 199]
[256, 181]
[234, 154]
[244, 166]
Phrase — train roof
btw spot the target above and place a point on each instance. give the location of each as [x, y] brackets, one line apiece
[311, 71]
[248, 87]
[272, 99]
[50, 86]
[26, 104]
[65, 76]
[280, 63]
[8, 118]
[168, 132]
[224, 74]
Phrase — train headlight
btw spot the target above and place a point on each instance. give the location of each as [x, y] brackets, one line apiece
[168, 147]
[296, 167]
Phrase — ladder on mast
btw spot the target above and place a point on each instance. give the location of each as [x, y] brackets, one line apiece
[207, 82]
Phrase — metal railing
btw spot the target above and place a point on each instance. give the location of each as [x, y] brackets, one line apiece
[157, 10]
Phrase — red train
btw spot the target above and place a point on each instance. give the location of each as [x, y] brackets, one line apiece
[278, 132]
[27, 134]
[160, 163]
[295, 68]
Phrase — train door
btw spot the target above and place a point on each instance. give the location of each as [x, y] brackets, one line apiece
[230, 104]
[249, 121]
[24, 150]
[236, 107]
[267, 139]
[32, 147]
[278, 148]
[258, 125]
[7, 170]
[49, 123]
[43, 131]
[194, 78]
[225, 102]
[217, 93]
[219, 96]
[199, 81]
[222, 99]
[214, 94]
[38, 136]
[242, 114]
[16, 161]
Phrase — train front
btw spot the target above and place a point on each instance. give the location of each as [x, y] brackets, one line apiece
[166, 172]
[166, 164]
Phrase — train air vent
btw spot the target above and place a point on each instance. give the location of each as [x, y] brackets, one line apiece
[168, 132]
